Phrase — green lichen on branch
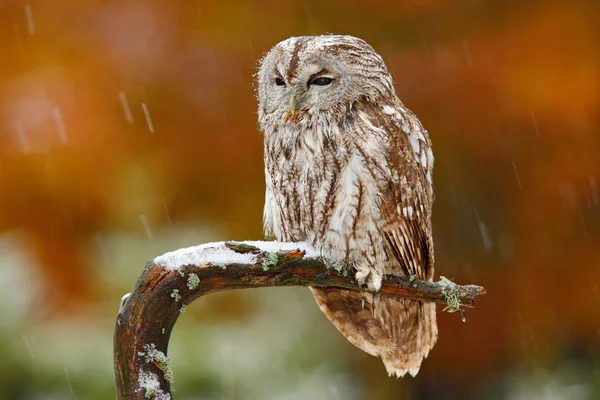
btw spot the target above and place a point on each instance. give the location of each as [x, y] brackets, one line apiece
[193, 281]
[270, 258]
[175, 295]
[158, 358]
[450, 295]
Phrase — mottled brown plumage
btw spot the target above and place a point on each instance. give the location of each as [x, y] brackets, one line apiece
[348, 169]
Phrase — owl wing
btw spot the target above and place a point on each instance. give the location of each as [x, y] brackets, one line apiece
[406, 202]
[398, 157]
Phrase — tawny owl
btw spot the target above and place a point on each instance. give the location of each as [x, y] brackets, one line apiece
[349, 169]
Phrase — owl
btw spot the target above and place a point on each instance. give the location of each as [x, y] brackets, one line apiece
[349, 170]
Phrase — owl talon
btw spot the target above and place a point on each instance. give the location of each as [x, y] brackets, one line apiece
[361, 276]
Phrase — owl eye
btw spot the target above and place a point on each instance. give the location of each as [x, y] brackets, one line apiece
[279, 81]
[322, 81]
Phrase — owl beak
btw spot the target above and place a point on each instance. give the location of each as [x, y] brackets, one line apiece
[292, 104]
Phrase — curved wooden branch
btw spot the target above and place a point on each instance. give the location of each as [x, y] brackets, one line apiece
[172, 281]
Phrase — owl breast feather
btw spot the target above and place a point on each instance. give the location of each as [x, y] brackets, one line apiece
[324, 189]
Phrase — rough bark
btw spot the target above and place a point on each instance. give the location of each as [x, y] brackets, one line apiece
[147, 315]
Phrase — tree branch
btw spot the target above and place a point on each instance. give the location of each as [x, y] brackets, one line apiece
[172, 281]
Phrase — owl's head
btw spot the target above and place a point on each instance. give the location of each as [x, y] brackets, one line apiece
[310, 75]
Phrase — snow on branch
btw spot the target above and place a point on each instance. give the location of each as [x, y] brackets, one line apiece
[170, 282]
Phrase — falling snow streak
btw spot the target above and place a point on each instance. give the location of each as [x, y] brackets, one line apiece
[594, 192]
[535, 124]
[467, 54]
[199, 9]
[125, 107]
[43, 89]
[227, 378]
[148, 119]
[485, 233]
[426, 48]
[69, 382]
[251, 51]
[584, 228]
[23, 142]
[60, 124]
[137, 194]
[166, 210]
[103, 252]
[28, 346]
[517, 175]
[146, 224]
[29, 16]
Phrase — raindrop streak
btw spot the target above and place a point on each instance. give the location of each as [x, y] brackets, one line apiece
[144, 221]
[467, 54]
[125, 107]
[60, 124]
[69, 382]
[29, 16]
[463, 318]
[148, 119]
[517, 174]
[535, 125]
[166, 210]
[28, 346]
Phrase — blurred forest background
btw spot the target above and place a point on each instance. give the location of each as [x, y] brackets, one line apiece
[128, 129]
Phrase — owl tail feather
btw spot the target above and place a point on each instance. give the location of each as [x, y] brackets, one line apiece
[400, 331]
[415, 334]
[350, 313]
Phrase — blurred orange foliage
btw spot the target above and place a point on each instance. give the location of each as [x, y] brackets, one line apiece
[112, 113]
